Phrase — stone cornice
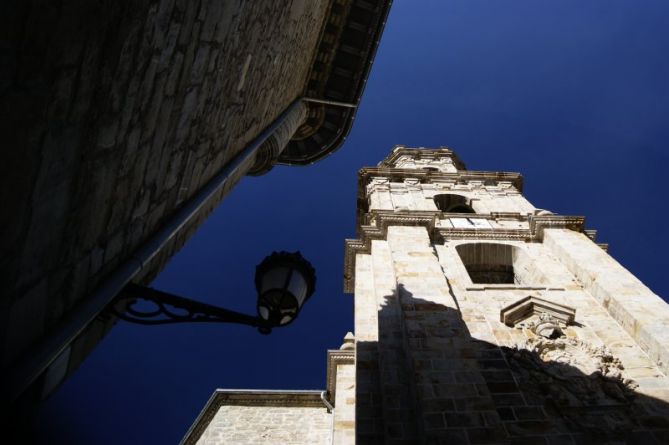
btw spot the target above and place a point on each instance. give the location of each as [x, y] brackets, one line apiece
[429, 176]
[243, 397]
[443, 234]
[540, 222]
[379, 221]
[533, 305]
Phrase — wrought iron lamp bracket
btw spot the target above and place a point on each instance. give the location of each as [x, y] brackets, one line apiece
[166, 308]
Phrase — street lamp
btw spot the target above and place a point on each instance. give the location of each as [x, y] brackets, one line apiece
[284, 282]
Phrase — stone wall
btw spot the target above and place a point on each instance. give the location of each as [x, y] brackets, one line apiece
[117, 113]
[643, 315]
[446, 368]
[344, 405]
[412, 195]
[268, 425]
[571, 351]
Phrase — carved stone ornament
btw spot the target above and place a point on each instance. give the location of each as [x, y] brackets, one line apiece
[582, 355]
[546, 326]
[582, 384]
[600, 374]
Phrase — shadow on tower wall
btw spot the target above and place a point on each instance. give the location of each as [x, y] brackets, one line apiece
[427, 380]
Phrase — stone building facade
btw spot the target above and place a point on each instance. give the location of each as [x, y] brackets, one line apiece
[481, 319]
[125, 123]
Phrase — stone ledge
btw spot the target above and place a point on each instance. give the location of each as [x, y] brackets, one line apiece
[511, 287]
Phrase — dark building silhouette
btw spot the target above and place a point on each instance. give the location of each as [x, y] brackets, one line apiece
[125, 123]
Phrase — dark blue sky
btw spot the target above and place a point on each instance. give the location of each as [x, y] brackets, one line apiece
[573, 94]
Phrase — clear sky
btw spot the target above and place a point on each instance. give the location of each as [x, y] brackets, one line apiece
[574, 94]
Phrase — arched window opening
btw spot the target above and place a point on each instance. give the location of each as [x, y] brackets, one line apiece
[452, 203]
[488, 263]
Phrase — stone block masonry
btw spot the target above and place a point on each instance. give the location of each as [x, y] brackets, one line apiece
[580, 357]
[117, 113]
[263, 417]
[250, 425]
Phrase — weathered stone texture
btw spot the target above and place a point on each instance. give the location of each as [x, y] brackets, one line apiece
[441, 364]
[411, 195]
[368, 404]
[268, 425]
[643, 315]
[119, 112]
[344, 411]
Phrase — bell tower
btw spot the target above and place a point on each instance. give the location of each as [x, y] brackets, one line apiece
[480, 318]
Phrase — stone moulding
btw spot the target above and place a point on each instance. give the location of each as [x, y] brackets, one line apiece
[336, 357]
[252, 397]
[540, 222]
[484, 287]
[427, 176]
[378, 222]
[531, 305]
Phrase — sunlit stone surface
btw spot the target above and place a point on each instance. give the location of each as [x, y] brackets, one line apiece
[480, 319]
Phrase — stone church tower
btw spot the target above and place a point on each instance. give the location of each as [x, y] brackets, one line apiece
[479, 319]
[482, 319]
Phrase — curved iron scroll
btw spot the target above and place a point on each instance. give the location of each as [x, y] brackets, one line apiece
[166, 308]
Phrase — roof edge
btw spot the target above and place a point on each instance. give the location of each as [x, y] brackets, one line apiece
[250, 397]
[341, 86]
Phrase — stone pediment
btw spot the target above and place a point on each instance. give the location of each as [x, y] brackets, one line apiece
[531, 305]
